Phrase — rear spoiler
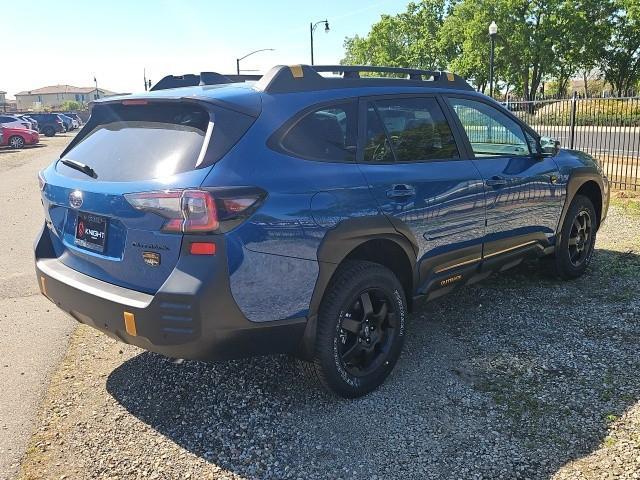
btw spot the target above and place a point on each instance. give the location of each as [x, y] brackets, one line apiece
[203, 78]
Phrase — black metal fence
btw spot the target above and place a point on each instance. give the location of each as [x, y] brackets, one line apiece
[606, 128]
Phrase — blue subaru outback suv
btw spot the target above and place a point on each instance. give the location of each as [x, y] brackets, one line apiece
[304, 213]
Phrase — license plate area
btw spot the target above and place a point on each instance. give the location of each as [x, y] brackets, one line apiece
[91, 231]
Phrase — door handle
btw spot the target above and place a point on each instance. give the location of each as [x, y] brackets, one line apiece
[401, 192]
[496, 182]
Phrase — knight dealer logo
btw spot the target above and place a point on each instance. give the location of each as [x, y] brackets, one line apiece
[80, 233]
[75, 199]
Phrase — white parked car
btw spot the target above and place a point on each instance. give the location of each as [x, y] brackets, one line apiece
[14, 122]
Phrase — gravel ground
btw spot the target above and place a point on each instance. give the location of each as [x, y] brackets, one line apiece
[27, 360]
[521, 376]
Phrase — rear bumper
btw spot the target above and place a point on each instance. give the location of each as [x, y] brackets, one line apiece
[192, 316]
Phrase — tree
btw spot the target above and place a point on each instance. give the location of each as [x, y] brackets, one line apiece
[529, 38]
[621, 60]
[584, 30]
[404, 40]
[538, 41]
[70, 105]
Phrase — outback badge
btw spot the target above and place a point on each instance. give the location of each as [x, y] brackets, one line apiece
[151, 258]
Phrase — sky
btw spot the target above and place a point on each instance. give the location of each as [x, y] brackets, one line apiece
[116, 39]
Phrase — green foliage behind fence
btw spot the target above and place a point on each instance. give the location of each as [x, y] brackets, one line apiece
[601, 111]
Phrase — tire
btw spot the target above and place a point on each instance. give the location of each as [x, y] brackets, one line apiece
[16, 142]
[48, 131]
[358, 342]
[577, 239]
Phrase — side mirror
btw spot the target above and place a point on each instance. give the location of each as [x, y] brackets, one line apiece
[549, 147]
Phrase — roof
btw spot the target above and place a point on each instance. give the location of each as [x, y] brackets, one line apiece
[63, 89]
[247, 97]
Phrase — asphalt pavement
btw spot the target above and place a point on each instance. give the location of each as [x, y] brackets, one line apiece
[33, 334]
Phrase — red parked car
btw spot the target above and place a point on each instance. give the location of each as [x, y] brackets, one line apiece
[18, 137]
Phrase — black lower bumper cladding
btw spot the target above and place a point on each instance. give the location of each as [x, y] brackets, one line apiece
[192, 316]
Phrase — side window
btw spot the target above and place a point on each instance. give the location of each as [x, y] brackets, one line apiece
[328, 134]
[417, 129]
[377, 149]
[491, 133]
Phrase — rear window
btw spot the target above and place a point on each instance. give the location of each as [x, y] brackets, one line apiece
[142, 142]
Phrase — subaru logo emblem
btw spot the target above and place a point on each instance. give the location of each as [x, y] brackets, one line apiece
[75, 199]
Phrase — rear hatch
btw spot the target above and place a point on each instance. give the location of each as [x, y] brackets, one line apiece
[126, 148]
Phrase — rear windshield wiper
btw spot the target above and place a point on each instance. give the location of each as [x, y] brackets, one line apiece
[81, 167]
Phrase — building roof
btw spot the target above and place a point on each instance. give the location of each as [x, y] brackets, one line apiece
[63, 89]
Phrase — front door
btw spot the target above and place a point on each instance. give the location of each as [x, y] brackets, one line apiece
[522, 195]
[421, 181]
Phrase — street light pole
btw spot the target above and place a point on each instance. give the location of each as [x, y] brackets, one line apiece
[493, 31]
[97, 91]
[248, 54]
[312, 28]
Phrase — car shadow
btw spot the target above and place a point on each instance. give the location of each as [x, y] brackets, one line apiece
[26, 147]
[5, 150]
[511, 378]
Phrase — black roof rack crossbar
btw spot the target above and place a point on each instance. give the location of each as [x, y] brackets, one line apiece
[294, 78]
[203, 78]
[353, 71]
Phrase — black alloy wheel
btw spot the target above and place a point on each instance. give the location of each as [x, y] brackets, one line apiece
[360, 329]
[367, 331]
[577, 239]
[580, 238]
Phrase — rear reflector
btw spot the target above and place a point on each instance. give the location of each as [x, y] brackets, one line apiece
[202, 248]
[130, 324]
[43, 286]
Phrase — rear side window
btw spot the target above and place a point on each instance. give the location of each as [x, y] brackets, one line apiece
[416, 129]
[328, 133]
[142, 142]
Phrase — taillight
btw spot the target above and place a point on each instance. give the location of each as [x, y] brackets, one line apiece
[197, 211]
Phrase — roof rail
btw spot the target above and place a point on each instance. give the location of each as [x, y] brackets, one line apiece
[296, 78]
[203, 78]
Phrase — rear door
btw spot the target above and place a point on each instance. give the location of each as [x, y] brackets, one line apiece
[417, 172]
[130, 149]
[523, 197]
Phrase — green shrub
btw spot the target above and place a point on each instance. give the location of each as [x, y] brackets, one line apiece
[605, 112]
